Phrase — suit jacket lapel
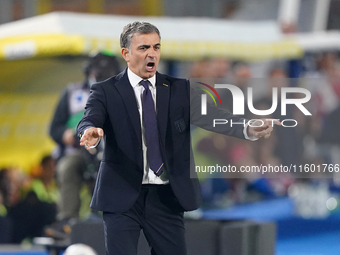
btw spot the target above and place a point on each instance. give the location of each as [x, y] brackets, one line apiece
[162, 104]
[128, 95]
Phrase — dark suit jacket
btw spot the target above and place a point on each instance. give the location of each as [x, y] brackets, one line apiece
[112, 106]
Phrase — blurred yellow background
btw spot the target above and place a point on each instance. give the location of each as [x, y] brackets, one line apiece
[28, 95]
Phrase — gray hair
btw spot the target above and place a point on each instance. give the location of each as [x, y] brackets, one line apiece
[134, 28]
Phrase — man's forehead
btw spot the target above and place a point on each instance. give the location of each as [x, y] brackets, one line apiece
[152, 38]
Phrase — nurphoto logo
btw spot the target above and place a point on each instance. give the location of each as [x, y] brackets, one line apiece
[239, 103]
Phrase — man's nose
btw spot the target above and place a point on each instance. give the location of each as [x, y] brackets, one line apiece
[151, 52]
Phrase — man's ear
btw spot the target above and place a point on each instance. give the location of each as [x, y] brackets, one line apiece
[126, 54]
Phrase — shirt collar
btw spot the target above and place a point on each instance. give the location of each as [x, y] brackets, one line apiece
[134, 79]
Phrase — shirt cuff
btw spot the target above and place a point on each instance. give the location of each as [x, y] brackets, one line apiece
[252, 138]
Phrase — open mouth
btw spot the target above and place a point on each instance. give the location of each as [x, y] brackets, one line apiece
[150, 66]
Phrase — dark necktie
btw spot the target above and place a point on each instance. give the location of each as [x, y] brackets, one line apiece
[151, 131]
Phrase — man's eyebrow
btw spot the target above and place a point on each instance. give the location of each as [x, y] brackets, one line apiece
[148, 46]
[144, 46]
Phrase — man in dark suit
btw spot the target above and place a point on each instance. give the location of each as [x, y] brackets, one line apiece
[144, 179]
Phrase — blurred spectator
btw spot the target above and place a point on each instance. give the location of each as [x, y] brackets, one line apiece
[76, 165]
[321, 78]
[289, 145]
[5, 222]
[37, 207]
[327, 94]
[200, 69]
[218, 69]
[18, 182]
[5, 188]
[321, 129]
[331, 127]
[45, 186]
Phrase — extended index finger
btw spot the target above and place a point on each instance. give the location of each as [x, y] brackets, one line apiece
[277, 122]
[273, 122]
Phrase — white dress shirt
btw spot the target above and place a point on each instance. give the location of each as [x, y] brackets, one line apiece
[149, 176]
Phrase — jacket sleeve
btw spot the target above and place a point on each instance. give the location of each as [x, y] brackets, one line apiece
[95, 110]
[60, 117]
[214, 113]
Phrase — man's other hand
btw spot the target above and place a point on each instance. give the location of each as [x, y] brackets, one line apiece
[262, 128]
